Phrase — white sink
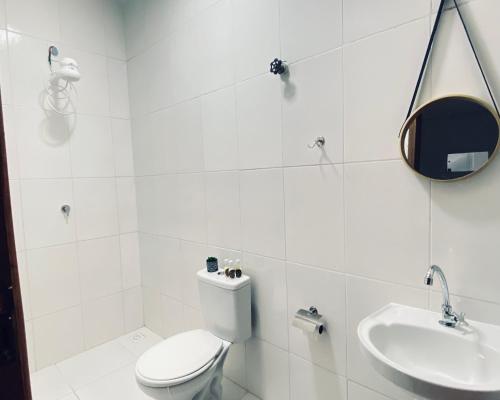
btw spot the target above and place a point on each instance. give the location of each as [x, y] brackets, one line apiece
[410, 348]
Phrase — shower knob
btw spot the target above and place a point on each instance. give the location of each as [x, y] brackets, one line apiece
[278, 67]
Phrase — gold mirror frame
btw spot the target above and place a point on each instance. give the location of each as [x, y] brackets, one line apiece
[404, 129]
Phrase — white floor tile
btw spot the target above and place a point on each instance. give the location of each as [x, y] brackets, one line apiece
[231, 391]
[118, 385]
[139, 341]
[49, 384]
[94, 364]
[250, 396]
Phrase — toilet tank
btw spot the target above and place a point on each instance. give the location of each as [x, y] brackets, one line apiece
[226, 305]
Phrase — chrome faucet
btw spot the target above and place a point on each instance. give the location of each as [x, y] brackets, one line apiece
[450, 317]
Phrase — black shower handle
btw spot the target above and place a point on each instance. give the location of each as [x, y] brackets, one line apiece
[278, 67]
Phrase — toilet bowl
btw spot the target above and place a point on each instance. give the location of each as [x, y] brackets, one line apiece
[189, 365]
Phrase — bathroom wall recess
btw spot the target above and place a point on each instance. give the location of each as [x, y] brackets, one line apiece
[80, 273]
[223, 169]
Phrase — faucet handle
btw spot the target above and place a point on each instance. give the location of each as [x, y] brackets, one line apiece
[461, 317]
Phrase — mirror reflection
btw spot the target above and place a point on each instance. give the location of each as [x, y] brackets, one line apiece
[450, 138]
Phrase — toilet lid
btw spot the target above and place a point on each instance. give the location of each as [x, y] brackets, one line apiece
[178, 358]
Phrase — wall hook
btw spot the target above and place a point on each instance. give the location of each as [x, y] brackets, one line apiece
[65, 209]
[319, 142]
[278, 67]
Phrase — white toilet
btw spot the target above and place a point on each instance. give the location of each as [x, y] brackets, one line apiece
[188, 366]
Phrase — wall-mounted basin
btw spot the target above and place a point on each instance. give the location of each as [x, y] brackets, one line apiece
[410, 348]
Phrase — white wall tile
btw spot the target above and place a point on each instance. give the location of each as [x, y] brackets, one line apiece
[192, 207]
[220, 139]
[28, 68]
[315, 383]
[465, 224]
[381, 69]
[96, 207]
[358, 392]
[82, 24]
[313, 107]
[130, 260]
[122, 147]
[387, 222]
[309, 28]
[184, 82]
[54, 280]
[118, 89]
[172, 316]
[326, 291]
[92, 148]
[5, 76]
[100, 269]
[24, 284]
[58, 336]
[9, 118]
[160, 264]
[127, 204]
[158, 205]
[215, 27]
[363, 17]
[3, 19]
[93, 88]
[193, 259]
[30, 347]
[44, 224]
[454, 68]
[486, 34]
[34, 17]
[133, 309]
[184, 126]
[262, 213]
[17, 214]
[234, 367]
[153, 310]
[42, 143]
[192, 318]
[269, 298]
[223, 209]
[259, 122]
[135, 27]
[256, 30]
[103, 320]
[314, 210]
[267, 371]
[114, 29]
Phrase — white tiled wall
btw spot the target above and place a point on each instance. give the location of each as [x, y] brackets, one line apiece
[223, 169]
[80, 277]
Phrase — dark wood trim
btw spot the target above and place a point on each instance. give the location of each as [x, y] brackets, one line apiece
[14, 368]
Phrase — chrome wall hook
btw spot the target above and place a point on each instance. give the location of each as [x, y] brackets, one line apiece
[319, 142]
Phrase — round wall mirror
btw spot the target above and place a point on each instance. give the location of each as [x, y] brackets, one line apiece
[450, 138]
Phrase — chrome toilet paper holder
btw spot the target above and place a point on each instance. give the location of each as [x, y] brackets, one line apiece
[310, 321]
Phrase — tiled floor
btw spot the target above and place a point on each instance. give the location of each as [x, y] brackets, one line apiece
[106, 373]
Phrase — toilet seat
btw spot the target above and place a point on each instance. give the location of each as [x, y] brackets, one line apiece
[178, 359]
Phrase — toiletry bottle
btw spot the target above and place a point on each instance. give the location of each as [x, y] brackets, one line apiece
[237, 268]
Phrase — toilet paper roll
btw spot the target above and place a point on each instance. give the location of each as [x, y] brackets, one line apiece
[309, 325]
